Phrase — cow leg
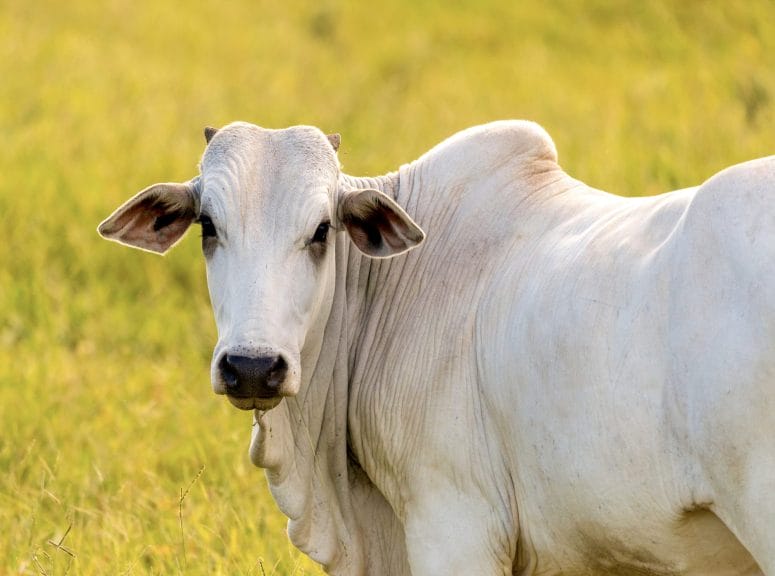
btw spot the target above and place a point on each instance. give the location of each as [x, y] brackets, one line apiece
[738, 466]
[452, 534]
[731, 425]
[749, 512]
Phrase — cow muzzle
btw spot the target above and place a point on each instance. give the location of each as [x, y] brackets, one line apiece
[253, 381]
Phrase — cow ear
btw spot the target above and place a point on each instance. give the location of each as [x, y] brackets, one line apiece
[377, 225]
[155, 219]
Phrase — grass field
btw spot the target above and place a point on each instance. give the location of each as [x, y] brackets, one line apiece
[106, 412]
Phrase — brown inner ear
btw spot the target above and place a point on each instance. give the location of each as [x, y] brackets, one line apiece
[364, 233]
[154, 216]
[375, 226]
[166, 219]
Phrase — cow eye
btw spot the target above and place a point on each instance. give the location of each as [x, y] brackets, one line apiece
[208, 228]
[321, 234]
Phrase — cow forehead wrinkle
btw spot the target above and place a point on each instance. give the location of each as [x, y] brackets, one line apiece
[282, 215]
[230, 183]
[305, 143]
[270, 173]
[222, 178]
[263, 163]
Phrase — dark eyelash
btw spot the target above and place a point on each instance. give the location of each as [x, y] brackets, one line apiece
[321, 233]
[208, 228]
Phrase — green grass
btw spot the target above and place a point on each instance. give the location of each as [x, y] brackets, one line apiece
[106, 412]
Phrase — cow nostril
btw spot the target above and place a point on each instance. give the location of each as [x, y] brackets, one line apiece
[228, 373]
[277, 373]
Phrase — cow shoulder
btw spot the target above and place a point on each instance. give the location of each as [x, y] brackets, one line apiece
[730, 223]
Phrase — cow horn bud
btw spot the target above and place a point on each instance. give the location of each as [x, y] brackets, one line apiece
[209, 133]
[335, 140]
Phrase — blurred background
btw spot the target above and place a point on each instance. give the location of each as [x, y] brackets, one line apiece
[115, 456]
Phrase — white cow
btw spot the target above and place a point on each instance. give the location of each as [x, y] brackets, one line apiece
[557, 381]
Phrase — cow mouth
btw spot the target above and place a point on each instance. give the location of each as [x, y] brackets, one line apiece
[262, 404]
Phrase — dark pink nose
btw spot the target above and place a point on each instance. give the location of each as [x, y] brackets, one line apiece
[253, 377]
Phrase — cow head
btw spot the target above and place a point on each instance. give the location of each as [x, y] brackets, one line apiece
[269, 206]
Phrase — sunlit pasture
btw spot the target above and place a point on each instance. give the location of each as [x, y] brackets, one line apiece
[115, 455]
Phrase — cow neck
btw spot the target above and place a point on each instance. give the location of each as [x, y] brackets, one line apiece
[381, 537]
[366, 276]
